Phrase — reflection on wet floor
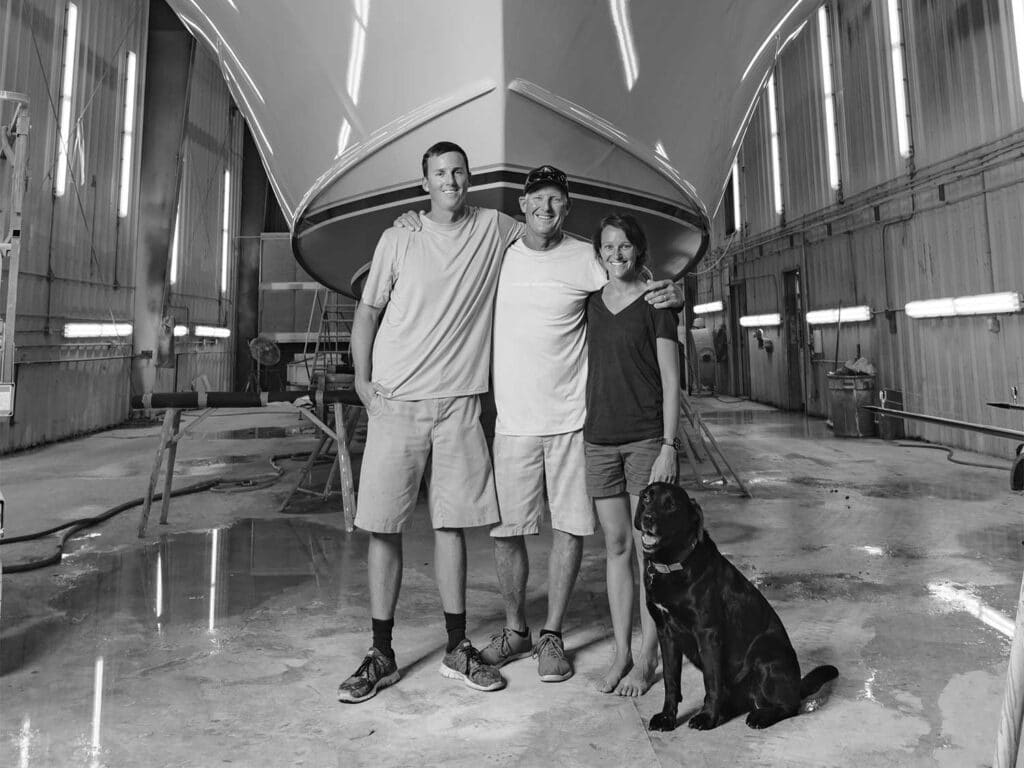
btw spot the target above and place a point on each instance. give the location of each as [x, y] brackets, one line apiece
[196, 579]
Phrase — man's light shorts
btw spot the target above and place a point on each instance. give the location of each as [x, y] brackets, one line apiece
[441, 437]
[525, 466]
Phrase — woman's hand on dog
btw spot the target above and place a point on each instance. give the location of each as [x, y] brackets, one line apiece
[666, 466]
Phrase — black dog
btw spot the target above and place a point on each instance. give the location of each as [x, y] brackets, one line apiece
[706, 609]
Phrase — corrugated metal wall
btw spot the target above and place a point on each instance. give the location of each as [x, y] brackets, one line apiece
[213, 144]
[952, 227]
[77, 256]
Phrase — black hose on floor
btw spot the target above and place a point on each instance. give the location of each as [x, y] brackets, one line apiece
[217, 484]
[74, 526]
[949, 456]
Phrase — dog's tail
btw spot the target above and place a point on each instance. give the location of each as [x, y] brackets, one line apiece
[815, 687]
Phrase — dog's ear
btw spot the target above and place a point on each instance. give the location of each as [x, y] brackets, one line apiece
[700, 520]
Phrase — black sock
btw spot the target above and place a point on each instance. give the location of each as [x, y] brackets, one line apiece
[455, 623]
[524, 633]
[382, 636]
[557, 634]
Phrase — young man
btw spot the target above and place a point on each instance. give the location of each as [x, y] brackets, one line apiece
[419, 366]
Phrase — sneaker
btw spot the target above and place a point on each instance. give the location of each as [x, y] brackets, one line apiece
[506, 646]
[375, 672]
[552, 666]
[464, 663]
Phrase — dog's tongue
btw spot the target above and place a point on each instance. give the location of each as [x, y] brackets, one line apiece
[647, 540]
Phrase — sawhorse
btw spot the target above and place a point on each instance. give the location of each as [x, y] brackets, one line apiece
[342, 464]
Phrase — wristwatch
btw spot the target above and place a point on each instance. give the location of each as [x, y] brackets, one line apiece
[673, 442]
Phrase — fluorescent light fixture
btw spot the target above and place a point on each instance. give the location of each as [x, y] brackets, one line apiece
[711, 306]
[982, 304]
[67, 85]
[773, 124]
[627, 49]
[899, 83]
[840, 315]
[180, 330]
[1017, 7]
[758, 321]
[225, 233]
[175, 245]
[128, 133]
[211, 332]
[737, 218]
[96, 330]
[828, 91]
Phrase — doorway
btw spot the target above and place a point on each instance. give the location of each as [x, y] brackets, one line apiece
[793, 328]
[739, 356]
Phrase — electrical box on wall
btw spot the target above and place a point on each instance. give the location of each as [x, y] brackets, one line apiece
[6, 400]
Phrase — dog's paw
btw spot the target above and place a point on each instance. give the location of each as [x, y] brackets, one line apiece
[762, 718]
[663, 721]
[703, 721]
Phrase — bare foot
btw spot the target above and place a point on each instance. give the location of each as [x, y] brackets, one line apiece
[614, 675]
[639, 680]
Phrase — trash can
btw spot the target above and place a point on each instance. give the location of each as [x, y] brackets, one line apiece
[846, 394]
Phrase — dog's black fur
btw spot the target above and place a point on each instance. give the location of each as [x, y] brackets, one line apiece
[708, 611]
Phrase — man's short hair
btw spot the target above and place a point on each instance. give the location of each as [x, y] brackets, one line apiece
[631, 229]
[443, 148]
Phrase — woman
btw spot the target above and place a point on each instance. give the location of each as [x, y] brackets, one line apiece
[630, 431]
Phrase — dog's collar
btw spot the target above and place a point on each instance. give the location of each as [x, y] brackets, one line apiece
[678, 564]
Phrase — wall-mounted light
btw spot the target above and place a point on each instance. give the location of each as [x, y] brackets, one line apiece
[840, 315]
[982, 304]
[1017, 10]
[128, 134]
[225, 234]
[704, 309]
[899, 77]
[773, 127]
[96, 330]
[180, 330]
[756, 321]
[211, 332]
[67, 90]
[828, 92]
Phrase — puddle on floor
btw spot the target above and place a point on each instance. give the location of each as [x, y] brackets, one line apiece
[189, 577]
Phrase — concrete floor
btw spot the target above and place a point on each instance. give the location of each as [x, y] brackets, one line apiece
[221, 637]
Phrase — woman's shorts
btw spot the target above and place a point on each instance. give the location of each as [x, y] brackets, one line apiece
[616, 469]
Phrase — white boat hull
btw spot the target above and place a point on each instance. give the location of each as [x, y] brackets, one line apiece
[642, 104]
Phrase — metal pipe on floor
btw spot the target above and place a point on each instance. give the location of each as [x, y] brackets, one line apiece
[987, 429]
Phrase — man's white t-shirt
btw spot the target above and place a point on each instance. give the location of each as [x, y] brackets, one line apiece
[540, 337]
[434, 338]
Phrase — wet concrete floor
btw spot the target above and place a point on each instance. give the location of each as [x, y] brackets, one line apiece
[221, 638]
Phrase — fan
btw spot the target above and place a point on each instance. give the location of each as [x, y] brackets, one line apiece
[265, 353]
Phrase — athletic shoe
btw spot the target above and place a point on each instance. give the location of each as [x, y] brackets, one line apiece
[464, 663]
[552, 666]
[506, 646]
[375, 672]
